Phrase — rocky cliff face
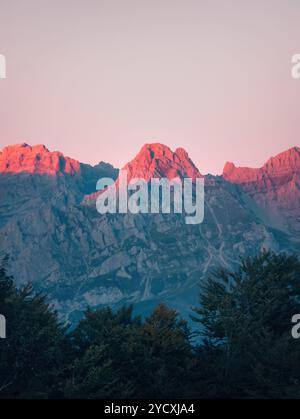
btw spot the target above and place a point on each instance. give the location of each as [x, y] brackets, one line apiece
[275, 188]
[158, 160]
[276, 169]
[22, 158]
[79, 257]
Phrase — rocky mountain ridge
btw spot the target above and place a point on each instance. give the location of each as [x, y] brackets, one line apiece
[79, 257]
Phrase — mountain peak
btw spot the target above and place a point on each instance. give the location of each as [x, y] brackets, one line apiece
[285, 161]
[157, 160]
[23, 158]
[284, 164]
[228, 168]
[181, 152]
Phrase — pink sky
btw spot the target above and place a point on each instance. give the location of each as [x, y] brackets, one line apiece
[96, 79]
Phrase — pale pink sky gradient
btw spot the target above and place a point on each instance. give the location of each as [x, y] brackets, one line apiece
[96, 79]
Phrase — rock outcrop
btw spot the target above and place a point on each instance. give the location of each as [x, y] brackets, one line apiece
[79, 257]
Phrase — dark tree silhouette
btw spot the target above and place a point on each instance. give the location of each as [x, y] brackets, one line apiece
[31, 355]
[244, 320]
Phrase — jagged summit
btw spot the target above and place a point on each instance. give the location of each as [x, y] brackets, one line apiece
[283, 164]
[36, 159]
[157, 160]
[82, 258]
[153, 160]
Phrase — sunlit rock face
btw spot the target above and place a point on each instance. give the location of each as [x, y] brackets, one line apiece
[22, 158]
[275, 187]
[158, 160]
[79, 257]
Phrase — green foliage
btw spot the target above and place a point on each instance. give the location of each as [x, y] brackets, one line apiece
[118, 355]
[102, 344]
[244, 350]
[31, 355]
[163, 356]
[245, 323]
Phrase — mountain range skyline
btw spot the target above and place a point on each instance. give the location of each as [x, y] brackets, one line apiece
[186, 73]
[9, 159]
[55, 238]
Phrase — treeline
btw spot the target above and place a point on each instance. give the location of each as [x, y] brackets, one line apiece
[241, 345]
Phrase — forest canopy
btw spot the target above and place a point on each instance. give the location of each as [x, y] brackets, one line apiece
[240, 345]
